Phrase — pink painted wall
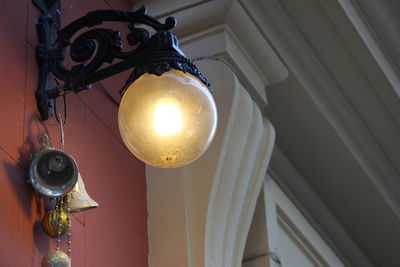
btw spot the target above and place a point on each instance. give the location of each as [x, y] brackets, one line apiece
[115, 234]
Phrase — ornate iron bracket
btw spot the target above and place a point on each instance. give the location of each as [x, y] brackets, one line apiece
[99, 52]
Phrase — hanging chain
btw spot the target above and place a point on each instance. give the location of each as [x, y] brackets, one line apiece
[59, 209]
[62, 205]
[69, 222]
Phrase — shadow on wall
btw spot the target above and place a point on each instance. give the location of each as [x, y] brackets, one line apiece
[39, 237]
[32, 204]
[34, 130]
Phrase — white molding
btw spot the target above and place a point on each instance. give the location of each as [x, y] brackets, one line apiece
[389, 69]
[191, 18]
[218, 42]
[290, 219]
[271, 221]
[315, 211]
[236, 188]
[223, 28]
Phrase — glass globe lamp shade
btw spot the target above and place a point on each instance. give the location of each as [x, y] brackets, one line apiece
[167, 121]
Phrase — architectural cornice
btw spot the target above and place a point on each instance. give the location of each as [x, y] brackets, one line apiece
[224, 29]
[350, 149]
[329, 97]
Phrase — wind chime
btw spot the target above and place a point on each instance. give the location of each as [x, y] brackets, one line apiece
[54, 173]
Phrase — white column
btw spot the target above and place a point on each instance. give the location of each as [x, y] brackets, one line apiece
[200, 215]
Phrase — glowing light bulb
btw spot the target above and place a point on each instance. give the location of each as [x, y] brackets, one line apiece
[167, 119]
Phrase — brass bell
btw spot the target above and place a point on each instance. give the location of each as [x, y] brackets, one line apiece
[51, 222]
[53, 172]
[56, 258]
[80, 199]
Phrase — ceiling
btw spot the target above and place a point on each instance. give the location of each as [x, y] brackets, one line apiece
[337, 115]
[383, 19]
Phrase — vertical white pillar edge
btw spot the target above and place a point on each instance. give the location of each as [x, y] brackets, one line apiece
[199, 215]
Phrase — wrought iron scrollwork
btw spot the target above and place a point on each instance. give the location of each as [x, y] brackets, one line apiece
[97, 46]
[99, 52]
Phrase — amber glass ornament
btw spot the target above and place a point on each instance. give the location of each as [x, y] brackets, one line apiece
[50, 223]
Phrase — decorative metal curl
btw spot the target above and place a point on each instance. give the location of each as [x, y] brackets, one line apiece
[107, 42]
[99, 52]
[84, 47]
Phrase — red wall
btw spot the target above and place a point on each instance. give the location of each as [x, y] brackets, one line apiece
[115, 234]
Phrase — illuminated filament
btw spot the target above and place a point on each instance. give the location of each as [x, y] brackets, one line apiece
[167, 119]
